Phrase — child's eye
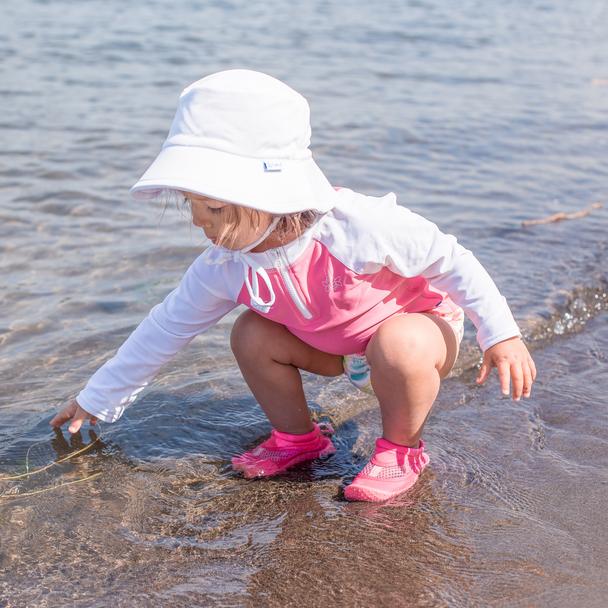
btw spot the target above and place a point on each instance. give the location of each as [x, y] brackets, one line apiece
[215, 209]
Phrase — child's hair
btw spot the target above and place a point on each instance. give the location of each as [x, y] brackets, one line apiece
[235, 215]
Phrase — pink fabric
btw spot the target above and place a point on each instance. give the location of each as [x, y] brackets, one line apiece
[282, 451]
[288, 439]
[346, 308]
[449, 311]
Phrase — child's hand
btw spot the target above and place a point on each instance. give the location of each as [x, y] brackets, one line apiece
[74, 412]
[514, 363]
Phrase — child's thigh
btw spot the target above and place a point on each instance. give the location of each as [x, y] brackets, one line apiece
[414, 339]
[253, 335]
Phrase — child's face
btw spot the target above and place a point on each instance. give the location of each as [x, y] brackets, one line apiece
[222, 226]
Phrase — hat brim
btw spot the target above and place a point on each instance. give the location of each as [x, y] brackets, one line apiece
[288, 187]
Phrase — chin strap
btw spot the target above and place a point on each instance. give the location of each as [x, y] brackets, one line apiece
[253, 286]
[271, 227]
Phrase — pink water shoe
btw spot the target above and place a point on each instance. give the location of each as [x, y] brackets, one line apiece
[393, 469]
[284, 450]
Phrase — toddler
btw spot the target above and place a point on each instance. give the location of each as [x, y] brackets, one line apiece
[334, 282]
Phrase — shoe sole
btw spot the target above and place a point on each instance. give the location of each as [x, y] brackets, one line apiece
[371, 494]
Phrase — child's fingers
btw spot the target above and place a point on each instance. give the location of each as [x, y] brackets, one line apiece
[75, 425]
[532, 368]
[517, 379]
[77, 420]
[504, 376]
[59, 419]
[64, 415]
[527, 379]
[484, 372]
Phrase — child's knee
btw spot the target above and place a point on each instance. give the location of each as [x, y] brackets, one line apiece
[250, 334]
[247, 333]
[402, 344]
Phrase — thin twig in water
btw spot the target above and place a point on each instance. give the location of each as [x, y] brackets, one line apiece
[562, 215]
[28, 472]
[43, 490]
[51, 464]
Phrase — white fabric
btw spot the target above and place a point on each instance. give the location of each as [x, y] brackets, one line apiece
[242, 137]
[364, 233]
[257, 271]
[194, 305]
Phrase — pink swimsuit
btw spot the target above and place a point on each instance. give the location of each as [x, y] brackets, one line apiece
[334, 309]
[361, 263]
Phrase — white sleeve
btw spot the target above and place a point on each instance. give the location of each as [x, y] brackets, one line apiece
[187, 311]
[416, 247]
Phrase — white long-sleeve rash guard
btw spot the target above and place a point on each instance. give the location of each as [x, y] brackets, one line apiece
[357, 265]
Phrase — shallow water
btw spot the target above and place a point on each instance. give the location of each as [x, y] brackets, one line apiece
[479, 116]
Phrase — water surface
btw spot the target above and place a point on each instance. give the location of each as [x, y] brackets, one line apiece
[479, 116]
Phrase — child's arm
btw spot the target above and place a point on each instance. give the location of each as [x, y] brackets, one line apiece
[450, 267]
[186, 312]
[413, 246]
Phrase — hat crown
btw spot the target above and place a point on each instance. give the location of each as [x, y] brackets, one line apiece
[243, 112]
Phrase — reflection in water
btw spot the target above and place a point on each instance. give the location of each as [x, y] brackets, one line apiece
[50, 466]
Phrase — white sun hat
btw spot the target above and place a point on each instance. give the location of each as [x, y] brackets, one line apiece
[241, 137]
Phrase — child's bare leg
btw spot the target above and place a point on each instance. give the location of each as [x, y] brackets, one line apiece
[270, 358]
[408, 356]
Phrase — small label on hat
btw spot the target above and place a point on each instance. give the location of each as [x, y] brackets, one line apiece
[273, 165]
